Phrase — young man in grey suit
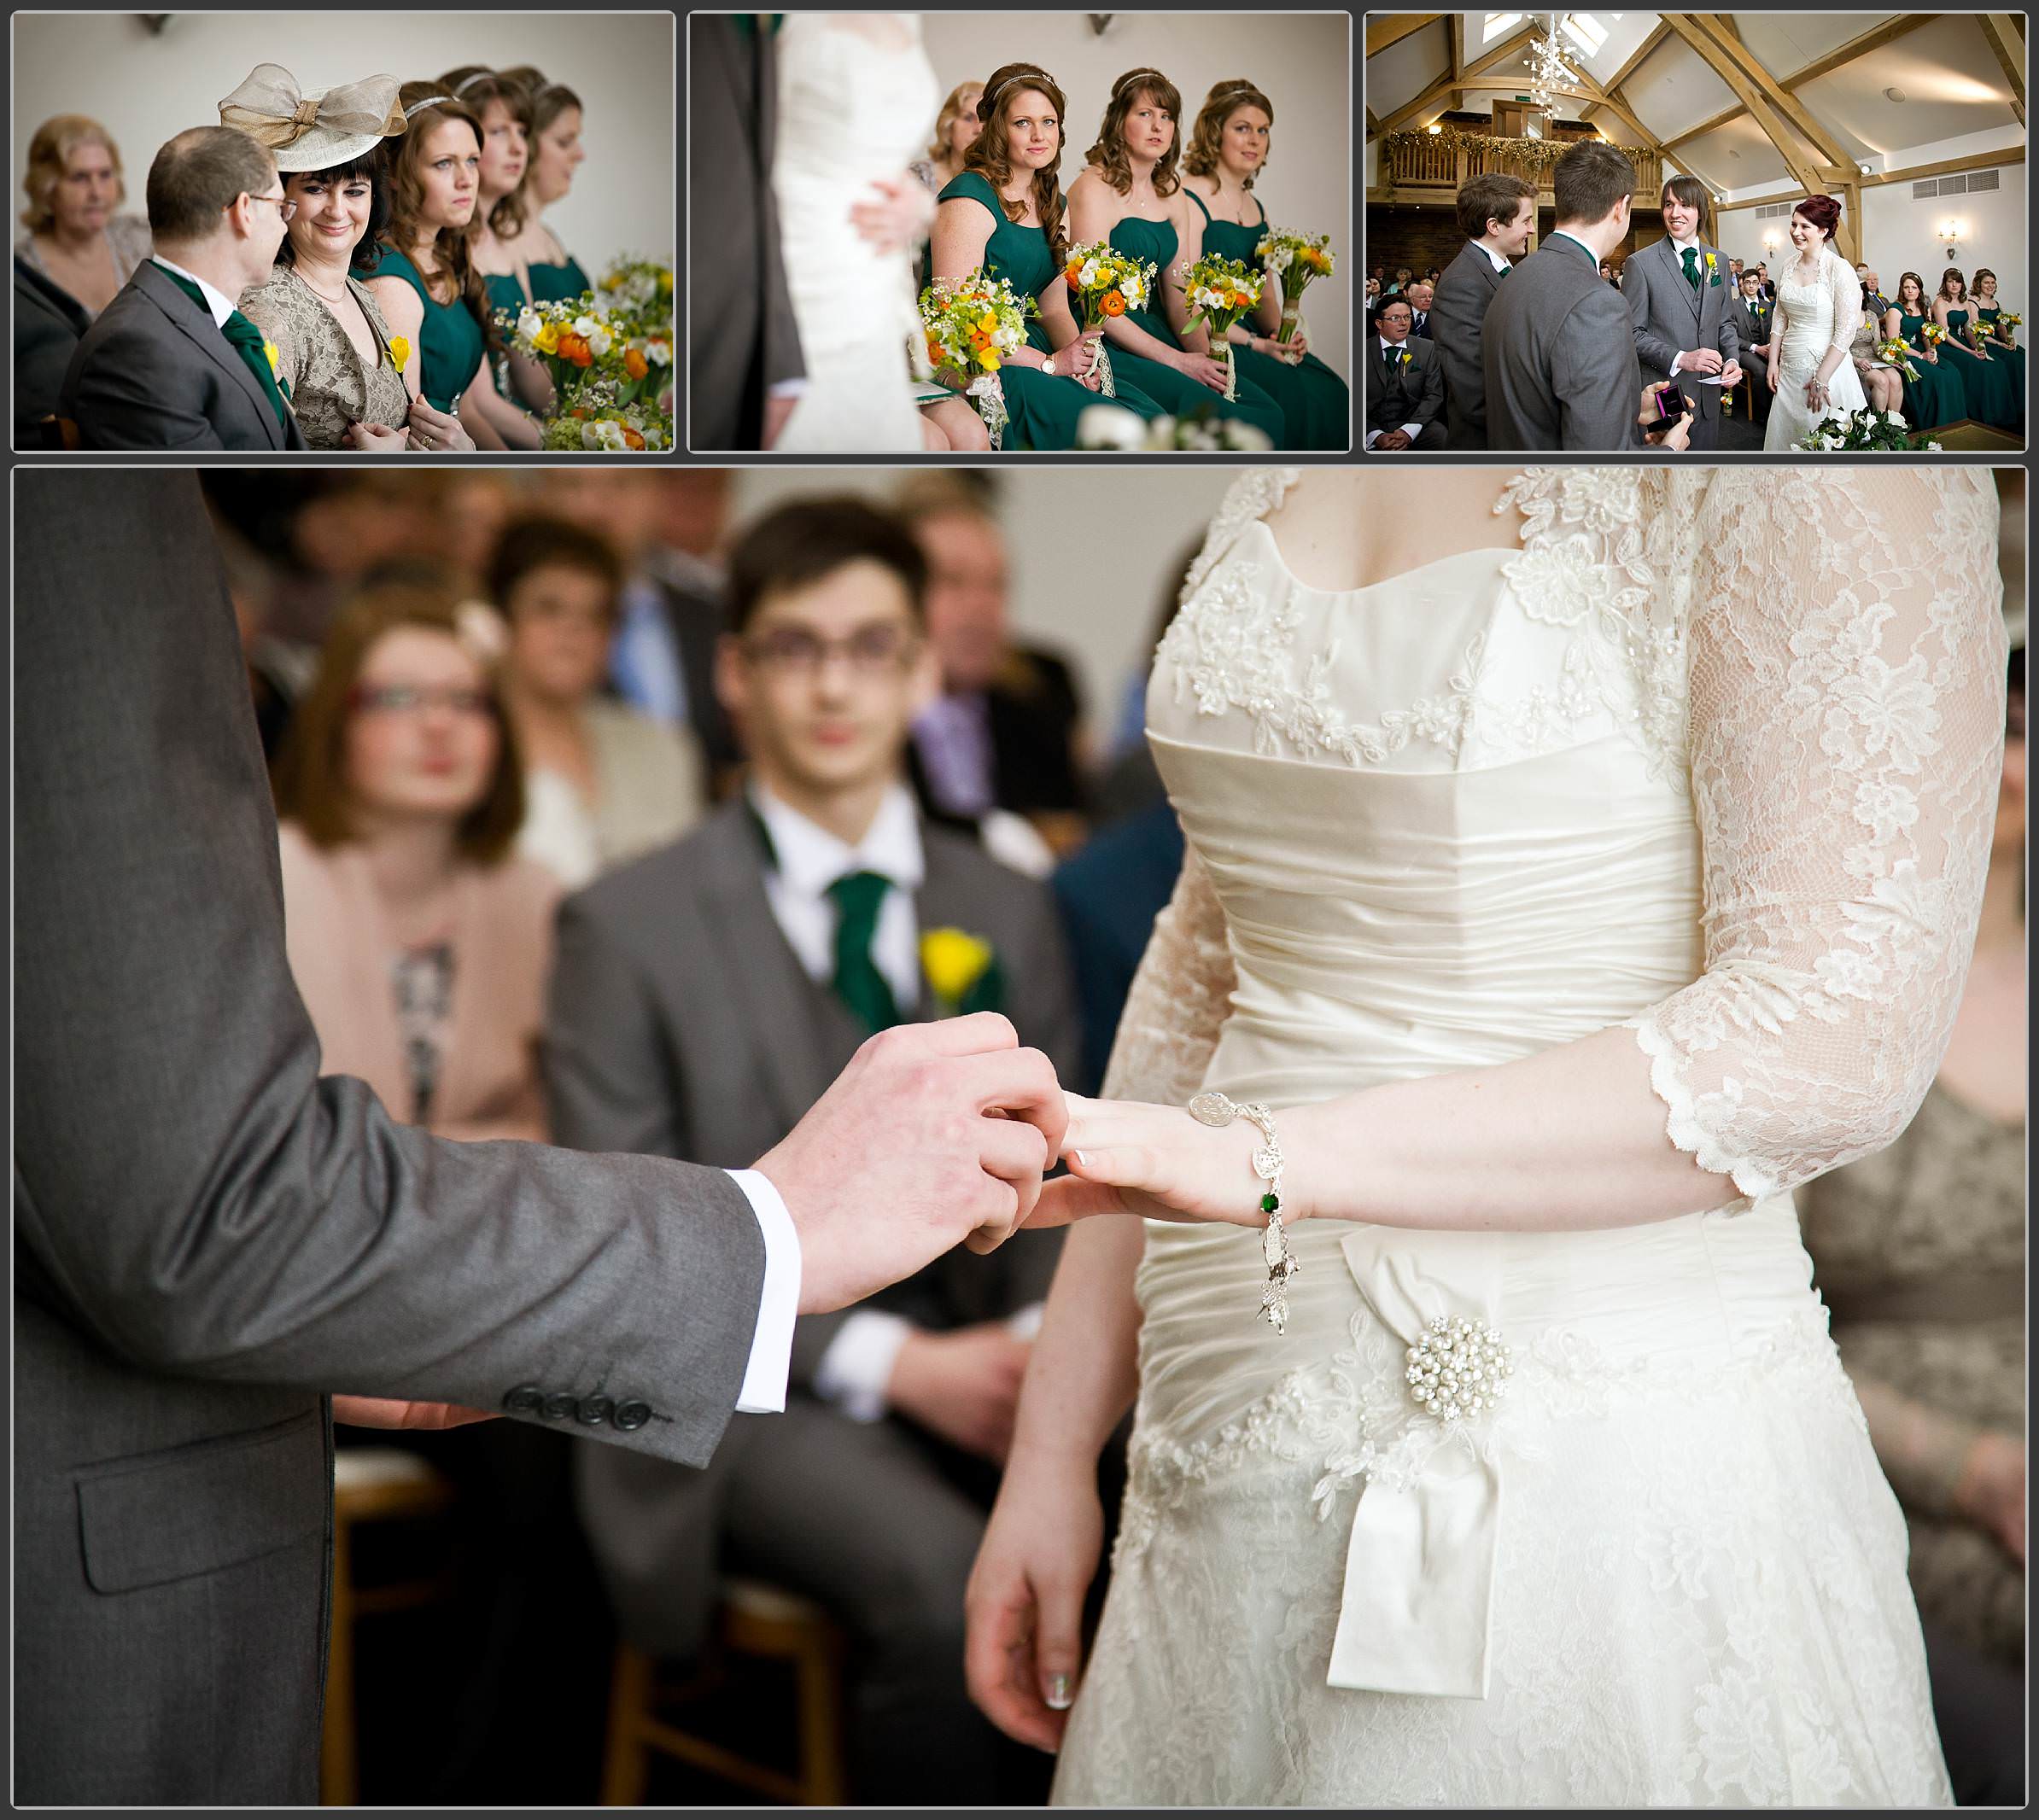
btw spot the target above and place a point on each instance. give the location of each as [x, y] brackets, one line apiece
[1683, 310]
[1557, 349]
[172, 363]
[702, 998]
[210, 1236]
[1405, 384]
[1497, 214]
[1754, 317]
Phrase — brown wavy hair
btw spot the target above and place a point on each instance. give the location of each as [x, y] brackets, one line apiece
[1953, 273]
[1912, 277]
[451, 246]
[990, 153]
[1109, 154]
[549, 100]
[48, 151]
[1224, 100]
[474, 85]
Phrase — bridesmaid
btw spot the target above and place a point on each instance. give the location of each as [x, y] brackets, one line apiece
[434, 171]
[1228, 150]
[76, 238]
[2000, 345]
[1937, 395]
[1130, 195]
[1987, 380]
[1004, 214]
[556, 154]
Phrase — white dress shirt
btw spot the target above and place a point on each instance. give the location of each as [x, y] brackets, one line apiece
[1408, 429]
[216, 300]
[1678, 249]
[1492, 257]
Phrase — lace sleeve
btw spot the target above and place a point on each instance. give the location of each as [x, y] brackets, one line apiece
[1847, 291]
[1178, 1000]
[1847, 663]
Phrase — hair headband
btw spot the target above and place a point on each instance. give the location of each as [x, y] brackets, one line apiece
[1133, 76]
[480, 75]
[418, 106]
[1024, 75]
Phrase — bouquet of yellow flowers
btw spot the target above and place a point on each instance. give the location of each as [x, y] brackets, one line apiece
[599, 423]
[1932, 334]
[2008, 320]
[1220, 291]
[1898, 354]
[639, 290]
[1106, 284]
[1295, 259]
[970, 325]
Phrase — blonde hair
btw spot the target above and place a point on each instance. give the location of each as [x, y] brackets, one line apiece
[1223, 101]
[952, 111]
[49, 152]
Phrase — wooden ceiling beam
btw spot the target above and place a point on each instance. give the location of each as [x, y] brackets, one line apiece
[1946, 167]
[1383, 29]
[1858, 48]
[1792, 110]
[1443, 90]
[1500, 54]
[1640, 56]
[2005, 39]
[1726, 116]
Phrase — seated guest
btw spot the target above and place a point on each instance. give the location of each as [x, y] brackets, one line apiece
[1497, 214]
[1753, 316]
[419, 941]
[1420, 294]
[47, 324]
[955, 130]
[77, 239]
[335, 348]
[1608, 272]
[703, 996]
[170, 363]
[603, 783]
[1919, 1251]
[1882, 383]
[1875, 304]
[1765, 283]
[1405, 384]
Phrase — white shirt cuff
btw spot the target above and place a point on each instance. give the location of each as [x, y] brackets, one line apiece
[763, 1392]
[787, 389]
[1374, 436]
[857, 1367]
[1025, 1324]
[1413, 430]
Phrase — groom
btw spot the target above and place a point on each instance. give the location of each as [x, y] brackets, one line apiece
[1682, 308]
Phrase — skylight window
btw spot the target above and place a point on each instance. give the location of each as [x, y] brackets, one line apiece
[1585, 31]
[1499, 25]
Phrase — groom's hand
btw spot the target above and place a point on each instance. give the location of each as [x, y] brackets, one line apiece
[934, 1134]
[1700, 360]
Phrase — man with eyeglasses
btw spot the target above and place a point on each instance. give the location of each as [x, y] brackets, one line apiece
[702, 998]
[172, 363]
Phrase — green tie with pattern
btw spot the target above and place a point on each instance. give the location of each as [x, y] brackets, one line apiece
[857, 982]
[247, 341]
[1691, 267]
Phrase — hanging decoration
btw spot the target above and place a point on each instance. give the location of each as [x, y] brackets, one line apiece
[1548, 70]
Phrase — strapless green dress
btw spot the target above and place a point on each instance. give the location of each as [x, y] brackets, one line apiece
[1991, 397]
[1986, 314]
[1937, 395]
[450, 343]
[1316, 404]
[1155, 241]
[554, 283]
[504, 293]
[1043, 407]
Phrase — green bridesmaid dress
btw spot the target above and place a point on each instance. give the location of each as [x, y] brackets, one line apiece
[450, 343]
[1043, 407]
[1936, 396]
[1155, 242]
[1316, 403]
[555, 283]
[2013, 358]
[1991, 399]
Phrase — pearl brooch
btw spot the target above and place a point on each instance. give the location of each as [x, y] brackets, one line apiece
[1457, 1367]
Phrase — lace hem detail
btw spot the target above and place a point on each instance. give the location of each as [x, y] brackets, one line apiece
[1682, 1116]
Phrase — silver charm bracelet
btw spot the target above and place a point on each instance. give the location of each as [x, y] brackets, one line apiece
[1218, 1110]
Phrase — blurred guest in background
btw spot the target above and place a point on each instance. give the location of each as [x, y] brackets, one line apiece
[603, 783]
[555, 152]
[77, 237]
[1919, 1251]
[957, 128]
[703, 997]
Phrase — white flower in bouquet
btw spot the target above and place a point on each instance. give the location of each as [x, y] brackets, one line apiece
[605, 434]
[1109, 427]
[1088, 275]
[1894, 417]
[599, 341]
[659, 350]
[584, 327]
[529, 322]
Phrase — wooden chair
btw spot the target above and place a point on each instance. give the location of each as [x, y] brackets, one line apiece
[57, 433]
[371, 1484]
[756, 1620]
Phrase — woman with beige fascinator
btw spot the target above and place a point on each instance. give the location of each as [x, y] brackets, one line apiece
[352, 373]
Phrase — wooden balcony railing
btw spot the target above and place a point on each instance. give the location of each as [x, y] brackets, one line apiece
[1424, 169]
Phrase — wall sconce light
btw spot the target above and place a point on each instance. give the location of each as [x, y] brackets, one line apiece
[1433, 128]
[1772, 239]
[1951, 231]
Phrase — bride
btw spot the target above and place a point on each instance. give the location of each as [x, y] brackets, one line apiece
[1819, 304]
[1579, 861]
[855, 93]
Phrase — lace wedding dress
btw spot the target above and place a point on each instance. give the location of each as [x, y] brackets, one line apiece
[857, 100]
[1810, 320]
[1712, 756]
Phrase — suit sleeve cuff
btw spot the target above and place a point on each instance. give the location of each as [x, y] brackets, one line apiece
[855, 1369]
[763, 1392]
[1374, 436]
[1413, 430]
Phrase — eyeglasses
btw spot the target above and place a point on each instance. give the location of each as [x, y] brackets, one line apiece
[402, 698]
[286, 207]
[797, 652]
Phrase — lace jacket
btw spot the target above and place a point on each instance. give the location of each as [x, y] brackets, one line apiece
[1823, 655]
[332, 387]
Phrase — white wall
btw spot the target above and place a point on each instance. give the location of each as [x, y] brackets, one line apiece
[143, 88]
[1301, 62]
[1091, 552]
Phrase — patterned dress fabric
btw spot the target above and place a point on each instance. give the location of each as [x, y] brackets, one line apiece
[331, 386]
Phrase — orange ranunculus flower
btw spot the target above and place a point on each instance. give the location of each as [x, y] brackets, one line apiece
[1074, 268]
[979, 341]
[633, 438]
[582, 354]
[1241, 299]
[635, 364]
[1113, 304]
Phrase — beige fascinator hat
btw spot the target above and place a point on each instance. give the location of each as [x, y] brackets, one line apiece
[312, 129]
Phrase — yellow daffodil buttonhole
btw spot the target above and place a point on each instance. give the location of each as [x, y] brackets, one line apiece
[400, 352]
[954, 962]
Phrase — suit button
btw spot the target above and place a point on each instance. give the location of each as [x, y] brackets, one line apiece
[561, 1406]
[524, 1400]
[594, 1411]
[632, 1415]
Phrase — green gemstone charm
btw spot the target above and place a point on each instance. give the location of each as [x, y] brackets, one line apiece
[1270, 1203]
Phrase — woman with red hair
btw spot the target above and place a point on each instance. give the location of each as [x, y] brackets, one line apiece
[1819, 302]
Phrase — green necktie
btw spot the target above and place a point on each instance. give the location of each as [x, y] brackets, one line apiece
[247, 341]
[1691, 267]
[857, 982]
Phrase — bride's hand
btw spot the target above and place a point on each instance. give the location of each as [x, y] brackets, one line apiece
[1024, 1608]
[1156, 1161]
[898, 218]
[1771, 370]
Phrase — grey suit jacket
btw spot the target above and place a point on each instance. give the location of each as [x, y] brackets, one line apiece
[741, 335]
[1750, 332]
[682, 1025]
[47, 324]
[209, 1237]
[155, 372]
[1464, 289]
[1669, 317]
[1412, 392]
[1559, 356]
